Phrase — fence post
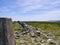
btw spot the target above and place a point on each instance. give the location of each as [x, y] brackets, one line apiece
[6, 32]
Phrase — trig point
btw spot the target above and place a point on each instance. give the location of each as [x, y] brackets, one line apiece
[6, 32]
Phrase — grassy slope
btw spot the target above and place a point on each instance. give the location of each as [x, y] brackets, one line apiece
[46, 25]
[53, 27]
[42, 25]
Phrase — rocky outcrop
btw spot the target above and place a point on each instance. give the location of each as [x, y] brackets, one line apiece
[34, 36]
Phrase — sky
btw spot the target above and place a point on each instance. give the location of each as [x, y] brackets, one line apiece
[30, 10]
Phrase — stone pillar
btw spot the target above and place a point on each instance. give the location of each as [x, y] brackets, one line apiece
[6, 32]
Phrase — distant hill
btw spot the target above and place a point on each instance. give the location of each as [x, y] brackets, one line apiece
[54, 21]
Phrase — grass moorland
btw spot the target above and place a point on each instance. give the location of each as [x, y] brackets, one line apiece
[50, 27]
[42, 25]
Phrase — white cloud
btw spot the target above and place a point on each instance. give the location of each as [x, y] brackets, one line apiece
[52, 15]
[29, 5]
[24, 6]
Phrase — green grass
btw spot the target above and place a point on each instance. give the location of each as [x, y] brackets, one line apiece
[42, 25]
[46, 25]
[16, 26]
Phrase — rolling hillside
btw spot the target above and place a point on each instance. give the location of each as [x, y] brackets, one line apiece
[42, 25]
[52, 28]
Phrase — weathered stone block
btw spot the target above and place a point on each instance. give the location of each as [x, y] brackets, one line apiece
[6, 32]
